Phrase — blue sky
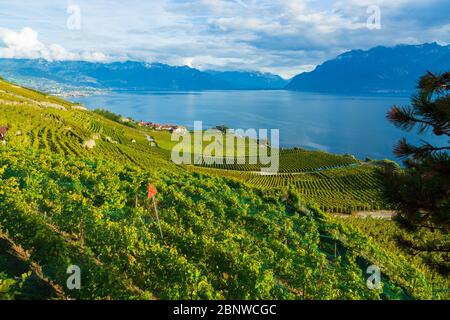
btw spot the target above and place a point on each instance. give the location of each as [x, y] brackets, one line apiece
[280, 36]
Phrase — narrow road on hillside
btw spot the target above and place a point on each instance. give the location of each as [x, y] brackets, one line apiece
[380, 214]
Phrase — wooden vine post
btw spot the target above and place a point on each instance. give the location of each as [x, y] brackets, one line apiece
[152, 191]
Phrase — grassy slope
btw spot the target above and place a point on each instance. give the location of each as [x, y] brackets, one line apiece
[66, 204]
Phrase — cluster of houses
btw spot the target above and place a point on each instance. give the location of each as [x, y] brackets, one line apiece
[164, 127]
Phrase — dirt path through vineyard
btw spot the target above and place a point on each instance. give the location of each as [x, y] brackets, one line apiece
[380, 214]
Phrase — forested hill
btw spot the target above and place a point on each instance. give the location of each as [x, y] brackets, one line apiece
[74, 192]
[378, 70]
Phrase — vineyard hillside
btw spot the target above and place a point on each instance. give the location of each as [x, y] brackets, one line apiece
[74, 193]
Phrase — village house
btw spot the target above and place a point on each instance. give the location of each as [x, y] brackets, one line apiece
[3, 132]
[180, 130]
[263, 143]
[163, 127]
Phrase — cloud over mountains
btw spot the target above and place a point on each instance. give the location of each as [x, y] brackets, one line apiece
[282, 36]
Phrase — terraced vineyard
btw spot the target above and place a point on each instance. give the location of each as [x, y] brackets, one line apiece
[11, 94]
[74, 192]
[65, 130]
[348, 189]
[291, 161]
[336, 183]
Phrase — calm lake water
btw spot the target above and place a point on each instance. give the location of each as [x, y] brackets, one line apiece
[334, 123]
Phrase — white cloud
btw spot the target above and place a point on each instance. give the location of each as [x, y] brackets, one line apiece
[282, 36]
[26, 44]
[203, 62]
[291, 72]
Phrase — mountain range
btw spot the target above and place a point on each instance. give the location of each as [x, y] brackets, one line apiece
[133, 75]
[378, 70]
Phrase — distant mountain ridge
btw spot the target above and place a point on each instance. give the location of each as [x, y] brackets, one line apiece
[378, 70]
[133, 75]
[250, 80]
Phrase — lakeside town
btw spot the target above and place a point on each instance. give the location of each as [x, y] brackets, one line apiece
[161, 127]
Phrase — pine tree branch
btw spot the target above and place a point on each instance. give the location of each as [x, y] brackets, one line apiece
[405, 118]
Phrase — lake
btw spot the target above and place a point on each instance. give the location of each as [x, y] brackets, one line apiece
[334, 123]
